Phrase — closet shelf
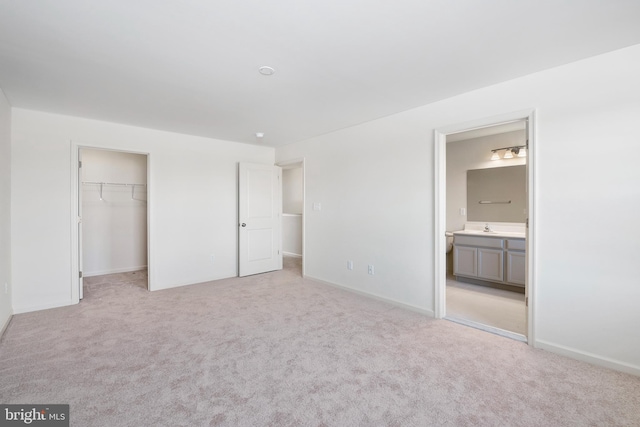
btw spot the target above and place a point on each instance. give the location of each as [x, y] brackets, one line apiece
[112, 183]
[120, 184]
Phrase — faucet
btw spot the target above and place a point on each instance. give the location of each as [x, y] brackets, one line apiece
[486, 228]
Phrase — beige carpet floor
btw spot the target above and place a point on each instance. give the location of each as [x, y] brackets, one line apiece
[279, 350]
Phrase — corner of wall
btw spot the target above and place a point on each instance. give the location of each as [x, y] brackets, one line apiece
[6, 306]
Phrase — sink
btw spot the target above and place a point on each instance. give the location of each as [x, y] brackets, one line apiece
[476, 232]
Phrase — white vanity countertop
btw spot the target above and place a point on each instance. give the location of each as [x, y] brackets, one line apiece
[496, 234]
[498, 230]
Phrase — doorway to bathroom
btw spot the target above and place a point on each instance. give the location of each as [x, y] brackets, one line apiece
[484, 204]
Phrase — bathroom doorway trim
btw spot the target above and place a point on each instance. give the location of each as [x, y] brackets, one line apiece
[440, 184]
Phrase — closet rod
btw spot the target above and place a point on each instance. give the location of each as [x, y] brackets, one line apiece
[110, 183]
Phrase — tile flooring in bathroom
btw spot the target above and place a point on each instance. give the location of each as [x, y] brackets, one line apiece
[496, 308]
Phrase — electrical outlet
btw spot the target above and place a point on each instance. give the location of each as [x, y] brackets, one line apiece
[6, 288]
[349, 265]
[370, 270]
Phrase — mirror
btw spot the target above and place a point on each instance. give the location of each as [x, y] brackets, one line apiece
[497, 194]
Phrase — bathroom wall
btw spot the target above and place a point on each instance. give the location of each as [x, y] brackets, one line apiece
[474, 154]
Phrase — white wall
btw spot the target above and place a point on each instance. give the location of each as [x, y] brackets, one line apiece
[192, 202]
[292, 191]
[376, 185]
[292, 234]
[292, 199]
[114, 228]
[5, 211]
[474, 154]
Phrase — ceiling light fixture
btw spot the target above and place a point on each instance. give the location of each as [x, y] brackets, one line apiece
[266, 71]
[259, 135]
[509, 152]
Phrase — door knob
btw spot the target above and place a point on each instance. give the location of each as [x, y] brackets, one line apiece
[243, 224]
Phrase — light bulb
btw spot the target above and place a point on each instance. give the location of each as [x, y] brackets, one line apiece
[522, 153]
[508, 155]
[495, 156]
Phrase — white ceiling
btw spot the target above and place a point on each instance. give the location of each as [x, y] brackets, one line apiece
[191, 66]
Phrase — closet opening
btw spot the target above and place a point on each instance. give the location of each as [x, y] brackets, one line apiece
[112, 219]
[293, 195]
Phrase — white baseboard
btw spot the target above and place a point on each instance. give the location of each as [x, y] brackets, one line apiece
[291, 254]
[429, 313]
[113, 271]
[28, 309]
[584, 356]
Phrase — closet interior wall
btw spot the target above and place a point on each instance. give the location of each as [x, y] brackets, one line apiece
[114, 212]
[292, 196]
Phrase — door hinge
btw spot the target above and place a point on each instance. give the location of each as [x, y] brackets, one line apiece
[79, 163]
[80, 274]
[527, 222]
[526, 301]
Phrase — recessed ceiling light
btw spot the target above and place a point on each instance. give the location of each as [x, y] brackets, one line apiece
[266, 71]
[259, 134]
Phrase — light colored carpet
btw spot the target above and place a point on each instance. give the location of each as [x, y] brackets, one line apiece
[278, 350]
[489, 306]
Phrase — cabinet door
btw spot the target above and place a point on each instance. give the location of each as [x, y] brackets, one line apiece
[464, 261]
[491, 264]
[515, 268]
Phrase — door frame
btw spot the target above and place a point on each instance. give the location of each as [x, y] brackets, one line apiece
[283, 164]
[440, 216]
[75, 199]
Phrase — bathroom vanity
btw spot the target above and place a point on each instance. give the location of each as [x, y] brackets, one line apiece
[492, 257]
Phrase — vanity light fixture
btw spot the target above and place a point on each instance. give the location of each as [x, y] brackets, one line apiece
[509, 152]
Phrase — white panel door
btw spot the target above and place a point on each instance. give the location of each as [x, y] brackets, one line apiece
[259, 218]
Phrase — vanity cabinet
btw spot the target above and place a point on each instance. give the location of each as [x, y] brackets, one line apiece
[491, 264]
[494, 259]
[516, 261]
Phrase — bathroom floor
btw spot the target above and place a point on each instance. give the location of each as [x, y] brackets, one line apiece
[492, 307]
